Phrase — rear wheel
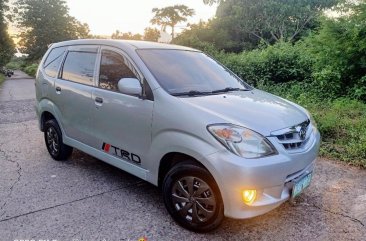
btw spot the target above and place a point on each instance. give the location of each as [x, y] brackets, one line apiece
[54, 143]
[192, 198]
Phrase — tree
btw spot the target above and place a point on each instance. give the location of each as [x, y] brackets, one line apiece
[7, 48]
[203, 36]
[151, 34]
[339, 51]
[211, 2]
[43, 22]
[78, 30]
[171, 16]
[270, 20]
[126, 36]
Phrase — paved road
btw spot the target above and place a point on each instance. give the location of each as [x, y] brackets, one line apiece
[86, 199]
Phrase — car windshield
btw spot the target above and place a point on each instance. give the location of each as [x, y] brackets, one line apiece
[182, 72]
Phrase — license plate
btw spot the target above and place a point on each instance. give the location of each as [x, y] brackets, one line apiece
[301, 184]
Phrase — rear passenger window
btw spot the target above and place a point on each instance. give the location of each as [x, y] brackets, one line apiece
[79, 67]
[53, 61]
[113, 68]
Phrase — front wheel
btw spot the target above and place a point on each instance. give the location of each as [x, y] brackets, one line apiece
[54, 143]
[192, 198]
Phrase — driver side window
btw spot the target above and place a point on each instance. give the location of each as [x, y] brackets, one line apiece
[113, 68]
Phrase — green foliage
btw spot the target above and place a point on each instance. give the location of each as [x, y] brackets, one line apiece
[280, 63]
[31, 69]
[204, 34]
[171, 16]
[342, 123]
[126, 36]
[151, 34]
[327, 83]
[332, 61]
[43, 22]
[211, 2]
[358, 91]
[245, 24]
[340, 47]
[7, 47]
[271, 20]
[16, 63]
[23, 64]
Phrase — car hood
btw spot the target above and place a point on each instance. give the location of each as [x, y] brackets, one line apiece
[255, 109]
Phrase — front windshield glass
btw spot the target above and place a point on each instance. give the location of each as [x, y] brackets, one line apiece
[183, 72]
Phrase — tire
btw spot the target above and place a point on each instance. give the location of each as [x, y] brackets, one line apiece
[199, 208]
[54, 142]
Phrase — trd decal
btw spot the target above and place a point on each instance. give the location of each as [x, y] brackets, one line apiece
[106, 147]
[116, 151]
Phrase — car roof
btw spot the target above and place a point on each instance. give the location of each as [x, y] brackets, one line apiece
[129, 44]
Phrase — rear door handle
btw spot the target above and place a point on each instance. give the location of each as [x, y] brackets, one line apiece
[99, 100]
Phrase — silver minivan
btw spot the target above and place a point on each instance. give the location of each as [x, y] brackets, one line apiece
[177, 118]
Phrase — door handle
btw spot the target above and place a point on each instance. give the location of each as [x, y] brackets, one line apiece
[58, 90]
[99, 100]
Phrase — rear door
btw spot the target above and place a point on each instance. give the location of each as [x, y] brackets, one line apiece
[122, 123]
[73, 91]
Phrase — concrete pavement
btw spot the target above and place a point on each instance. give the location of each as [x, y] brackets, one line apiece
[20, 88]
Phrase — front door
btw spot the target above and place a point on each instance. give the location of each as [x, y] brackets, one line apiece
[122, 123]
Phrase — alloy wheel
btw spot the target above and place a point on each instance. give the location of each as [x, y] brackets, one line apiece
[193, 199]
[53, 141]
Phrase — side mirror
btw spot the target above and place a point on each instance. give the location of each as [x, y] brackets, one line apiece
[130, 86]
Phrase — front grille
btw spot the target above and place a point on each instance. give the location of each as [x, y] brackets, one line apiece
[295, 137]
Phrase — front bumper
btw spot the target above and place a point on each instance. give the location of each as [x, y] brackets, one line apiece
[270, 176]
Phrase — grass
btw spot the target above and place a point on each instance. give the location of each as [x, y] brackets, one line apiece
[341, 122]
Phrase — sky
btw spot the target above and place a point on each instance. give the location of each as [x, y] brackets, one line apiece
[106, 16]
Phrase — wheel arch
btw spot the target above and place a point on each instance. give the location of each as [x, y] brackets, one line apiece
[47, 110]
[46, 116]
[171, 159]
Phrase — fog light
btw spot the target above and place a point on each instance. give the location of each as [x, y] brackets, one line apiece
[249, 196]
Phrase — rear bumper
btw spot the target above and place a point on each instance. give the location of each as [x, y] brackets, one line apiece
[270, 176]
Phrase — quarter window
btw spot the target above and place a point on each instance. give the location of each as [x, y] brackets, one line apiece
[79, 67]
[113, 67]
[52, 63]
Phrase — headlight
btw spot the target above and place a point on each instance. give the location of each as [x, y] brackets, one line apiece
[242, 141]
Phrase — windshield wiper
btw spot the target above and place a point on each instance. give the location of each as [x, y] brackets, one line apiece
[192, 93]
[228, 89]
[196, 92]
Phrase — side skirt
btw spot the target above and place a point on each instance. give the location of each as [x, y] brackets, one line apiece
[99, 154]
